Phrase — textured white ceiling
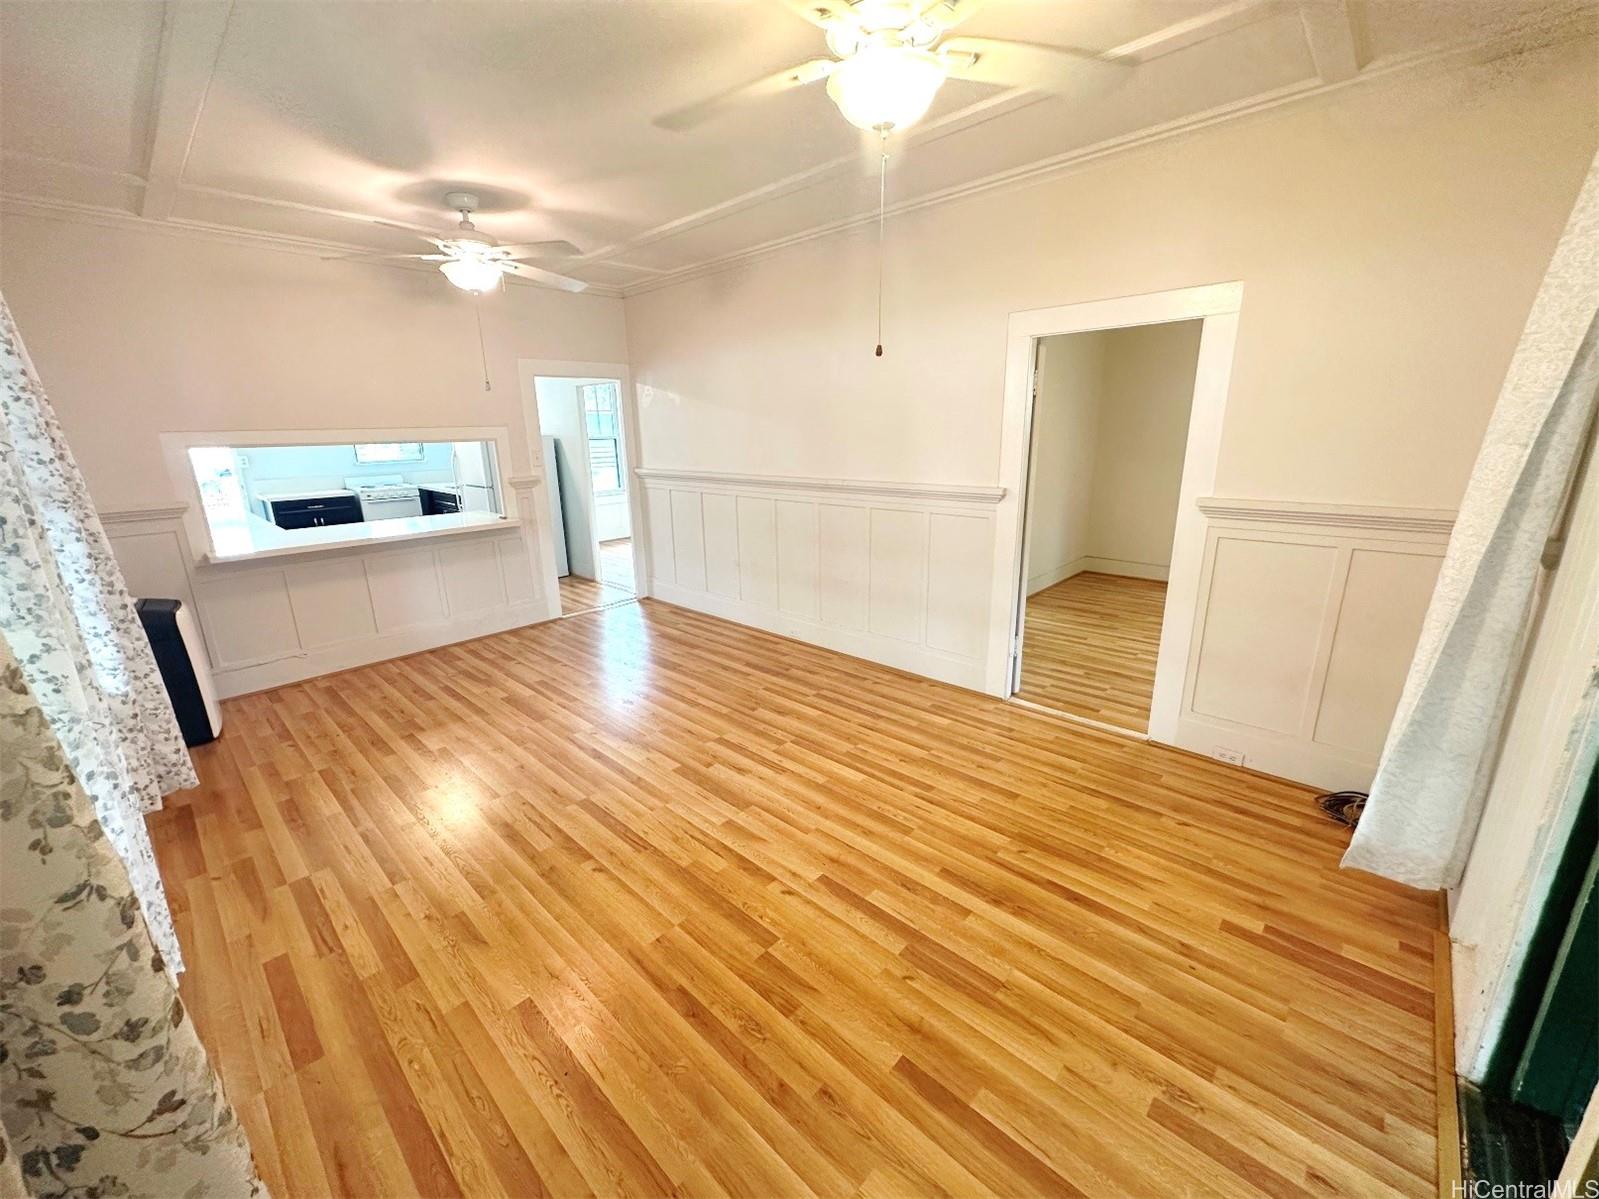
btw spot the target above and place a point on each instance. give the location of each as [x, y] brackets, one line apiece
[313, 119]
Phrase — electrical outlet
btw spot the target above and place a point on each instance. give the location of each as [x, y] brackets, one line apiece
[1223, 754]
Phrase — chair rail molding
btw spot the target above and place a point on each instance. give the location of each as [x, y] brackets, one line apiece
[948, 493]
[155, 513]
[1435, 522]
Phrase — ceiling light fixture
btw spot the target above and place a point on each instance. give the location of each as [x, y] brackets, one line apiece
[472, 274]
[885, 87]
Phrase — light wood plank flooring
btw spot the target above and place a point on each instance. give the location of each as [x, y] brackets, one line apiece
[583, 595]
[650, 904]
[616, 563]
[1089, 646]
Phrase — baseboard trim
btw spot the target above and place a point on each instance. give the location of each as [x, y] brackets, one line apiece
[1126, 569]
[1290, 757]
[857, 643]
[1037, 583]
[1103, 566]
[1443, 1058]
[244, 678]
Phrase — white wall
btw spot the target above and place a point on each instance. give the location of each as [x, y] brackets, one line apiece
[1389, 238]
[1148, 392]
[1066, 416]
[138, 331]
[1110, 429]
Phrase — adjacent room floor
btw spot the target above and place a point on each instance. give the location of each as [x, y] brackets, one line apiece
[614, 586]
[649, 903]
[1089, 646]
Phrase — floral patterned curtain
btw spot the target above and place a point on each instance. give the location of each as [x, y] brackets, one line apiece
[67, 616]
[104, 1087]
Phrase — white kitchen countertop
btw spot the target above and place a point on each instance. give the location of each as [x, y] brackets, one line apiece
[255, 537]
[330, 493]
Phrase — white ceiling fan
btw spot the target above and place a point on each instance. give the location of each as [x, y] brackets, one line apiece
[474, 262]
[890, 63]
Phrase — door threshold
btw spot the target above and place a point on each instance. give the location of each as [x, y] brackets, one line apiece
[1087, 722]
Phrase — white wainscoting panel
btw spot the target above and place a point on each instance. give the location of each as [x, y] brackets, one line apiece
[688, 540]
[959, 551]
[844, 564]
[796, 558]
[1307, 619]
[897, 599]
[332, 602]
[1262, 593]
[720, 518]
[472, 576]
[757, 550]
[282, 619]
[658, 515]
[256, 617]
[893, 573]
[1384, 599]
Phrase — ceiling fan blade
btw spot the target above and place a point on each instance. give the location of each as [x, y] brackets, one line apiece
[523, 271]
[946, 14]
[697, 114]
[820, 13]
[382, 257]
[540, 249]
[1061, 70]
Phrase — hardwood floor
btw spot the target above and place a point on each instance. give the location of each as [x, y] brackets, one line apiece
[648, 903]
[1089, 646]
[616, 563]
[583, 595]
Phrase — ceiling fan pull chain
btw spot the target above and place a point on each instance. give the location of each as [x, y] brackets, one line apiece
[882, 195]
[483, 350]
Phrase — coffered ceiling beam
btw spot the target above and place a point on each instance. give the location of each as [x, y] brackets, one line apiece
[191, 39]
[1330, 32]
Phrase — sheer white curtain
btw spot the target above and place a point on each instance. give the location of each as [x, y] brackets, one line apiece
[1427, 797]
[67, 616]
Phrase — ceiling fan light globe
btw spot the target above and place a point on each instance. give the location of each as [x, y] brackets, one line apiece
[471, 274]
[885, 87]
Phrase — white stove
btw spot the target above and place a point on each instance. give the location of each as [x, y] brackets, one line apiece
[385, 497]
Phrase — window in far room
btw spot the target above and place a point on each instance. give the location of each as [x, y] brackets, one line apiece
[604, 436]
[389, 451]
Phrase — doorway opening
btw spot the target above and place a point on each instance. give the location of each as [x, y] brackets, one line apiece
[1110, 435]
[1109, 431]
[587, 469]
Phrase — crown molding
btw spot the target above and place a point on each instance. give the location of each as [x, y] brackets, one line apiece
[1569, 18]
[948, 493]
[1431, 522]
[1553, 22]
[112, 218]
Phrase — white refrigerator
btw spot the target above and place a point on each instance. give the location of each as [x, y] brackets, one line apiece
[474, 475]
[557, 521]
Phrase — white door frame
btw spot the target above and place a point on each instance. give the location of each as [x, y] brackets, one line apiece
[531, 369]
[1217, 304]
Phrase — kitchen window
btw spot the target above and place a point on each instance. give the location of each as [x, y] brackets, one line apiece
[389, 451]
[600, 404]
